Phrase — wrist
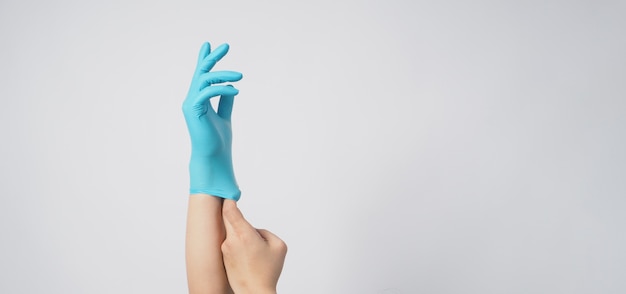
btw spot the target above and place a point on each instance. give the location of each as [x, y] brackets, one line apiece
[213, 176]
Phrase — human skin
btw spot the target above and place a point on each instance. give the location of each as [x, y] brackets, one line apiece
[221, 252]
[210, 170]
[253, 258]
[204, 237]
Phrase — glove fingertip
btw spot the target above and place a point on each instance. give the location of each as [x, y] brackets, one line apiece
[232, 91]
[205, 49]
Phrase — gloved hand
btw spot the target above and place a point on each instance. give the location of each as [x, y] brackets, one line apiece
[211, 167]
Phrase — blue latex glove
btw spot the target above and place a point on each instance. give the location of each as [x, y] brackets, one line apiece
[211, 167]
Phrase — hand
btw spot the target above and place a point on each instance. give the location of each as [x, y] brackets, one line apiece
[211, 167]
[253, 258]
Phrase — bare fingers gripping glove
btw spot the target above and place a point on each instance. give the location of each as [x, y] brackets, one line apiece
[211, 167]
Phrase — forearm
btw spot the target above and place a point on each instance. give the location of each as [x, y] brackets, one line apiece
[205, 234]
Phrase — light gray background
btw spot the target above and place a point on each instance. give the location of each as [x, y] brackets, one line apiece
[396, 146]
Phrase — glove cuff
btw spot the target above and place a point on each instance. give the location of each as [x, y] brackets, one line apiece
[213, 176]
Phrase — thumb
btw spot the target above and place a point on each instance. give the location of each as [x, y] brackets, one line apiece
[234, 222]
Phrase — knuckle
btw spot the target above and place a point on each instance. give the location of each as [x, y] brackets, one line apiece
[226, 248]
[281, 247]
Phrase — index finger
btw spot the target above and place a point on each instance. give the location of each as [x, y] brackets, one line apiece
[209, 62]
[234, 222]
[204, 51]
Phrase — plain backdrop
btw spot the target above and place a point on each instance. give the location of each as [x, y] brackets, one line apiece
[398, 147]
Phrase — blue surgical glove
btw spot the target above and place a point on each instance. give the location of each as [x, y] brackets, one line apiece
[211, 166]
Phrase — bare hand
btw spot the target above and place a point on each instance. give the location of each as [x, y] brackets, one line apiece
[253, 258]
